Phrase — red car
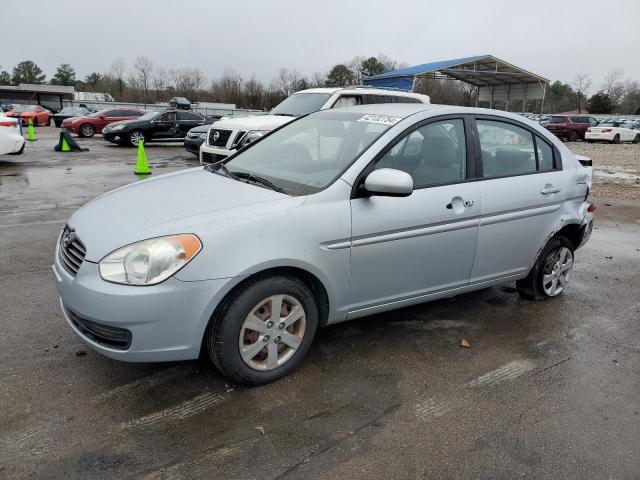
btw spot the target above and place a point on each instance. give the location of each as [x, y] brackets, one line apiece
[571, 127]
[91, 124]
[35, 113]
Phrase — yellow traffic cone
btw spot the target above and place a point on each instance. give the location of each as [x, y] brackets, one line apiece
[31, 133]
[142, 167]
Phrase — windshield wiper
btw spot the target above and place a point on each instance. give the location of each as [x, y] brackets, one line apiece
[217, 167]
[256, 179]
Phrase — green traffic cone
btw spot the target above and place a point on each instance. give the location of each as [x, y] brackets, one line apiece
[142, 167]
[65, 145]
[31, 133]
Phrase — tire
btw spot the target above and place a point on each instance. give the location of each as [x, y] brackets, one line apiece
[57, 123]
[135, 136]
[35, 122]
[86, 130]
[533, 286]
[573, 136]
[48, 124]
[228, 330]
[636, 139]
[590, 141]
[616, 139]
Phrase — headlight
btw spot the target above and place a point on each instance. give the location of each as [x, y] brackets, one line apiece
[150, 261]
[117, 127]
[203, 136]
[251, 136]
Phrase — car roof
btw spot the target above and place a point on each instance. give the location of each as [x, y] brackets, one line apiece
[404, 110]
[363, 89]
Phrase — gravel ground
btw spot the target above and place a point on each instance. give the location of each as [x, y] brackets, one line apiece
[616, 169]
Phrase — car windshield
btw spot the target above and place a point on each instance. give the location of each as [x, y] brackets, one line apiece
[307, 155]
[300, 104]
[148, 116]
[24, 108]
[557, 120]
[72, 111]
[98, 113]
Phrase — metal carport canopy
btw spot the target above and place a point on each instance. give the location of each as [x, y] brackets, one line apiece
[494, 78]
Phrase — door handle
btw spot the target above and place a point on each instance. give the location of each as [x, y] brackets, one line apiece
[548, 189]
[466, 203]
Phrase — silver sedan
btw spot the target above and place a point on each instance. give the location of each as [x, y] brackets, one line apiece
[337, 215]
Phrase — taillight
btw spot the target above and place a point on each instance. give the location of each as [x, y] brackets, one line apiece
[607, 130]
[9, 124]
[588, 129]
[591, 208]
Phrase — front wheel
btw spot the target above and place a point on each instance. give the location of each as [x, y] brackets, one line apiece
[573, 136]
[48, 121]
[263, 331]
[135, 137]
[636, 139]
[550, 274]
[616, 139]
[87, 130]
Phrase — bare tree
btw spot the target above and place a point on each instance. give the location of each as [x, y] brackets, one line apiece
[117, 71]
[161, 84]
[614, 87]
[581, 84]
[143, 67]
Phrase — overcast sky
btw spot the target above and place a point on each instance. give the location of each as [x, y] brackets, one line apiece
[556, 39]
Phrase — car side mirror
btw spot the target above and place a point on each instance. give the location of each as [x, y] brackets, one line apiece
[389, 182]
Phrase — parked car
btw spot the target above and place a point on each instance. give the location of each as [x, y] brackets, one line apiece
[169, 126]
[11, 139]
[195, 137]
[613, 132]
[180, 103]
[69, 112]
[37, 114]
[229, 135]
[337, 215]
[89, 125]
[570, 127]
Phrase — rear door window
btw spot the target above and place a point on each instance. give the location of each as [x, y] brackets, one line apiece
[507, 150]
[348, 101]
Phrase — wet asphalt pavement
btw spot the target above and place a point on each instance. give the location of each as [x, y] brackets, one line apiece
[547, 390]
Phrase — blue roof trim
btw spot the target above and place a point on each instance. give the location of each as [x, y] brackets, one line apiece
[402, 83]
[424, 68]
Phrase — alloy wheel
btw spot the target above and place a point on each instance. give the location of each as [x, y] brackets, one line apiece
[272, 332]
[556, 271]
[136, 137]
[87, 130]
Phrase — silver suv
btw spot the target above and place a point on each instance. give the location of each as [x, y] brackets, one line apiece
[337, 215]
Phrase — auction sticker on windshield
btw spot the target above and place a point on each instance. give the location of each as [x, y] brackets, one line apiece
[383, 119]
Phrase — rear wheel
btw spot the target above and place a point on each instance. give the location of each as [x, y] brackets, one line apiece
[550, 274]
[87, 130]
[35, 122]
[636, 138]
[616, 139]
[135, 136]
[48, 120]
[573, 136]
[264, 330]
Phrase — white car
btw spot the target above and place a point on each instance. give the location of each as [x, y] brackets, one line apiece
[612, 132]
[11, 140]
[227, 136]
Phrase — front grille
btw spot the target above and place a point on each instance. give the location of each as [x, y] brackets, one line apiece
[223, 137]
[71, 251]
[211, 157]
[112, 337]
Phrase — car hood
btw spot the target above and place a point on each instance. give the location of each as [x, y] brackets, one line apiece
[259, 122]
[76, 118]
[201, 129]
[188, 201]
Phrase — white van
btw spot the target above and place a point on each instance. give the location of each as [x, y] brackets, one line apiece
[228, 135]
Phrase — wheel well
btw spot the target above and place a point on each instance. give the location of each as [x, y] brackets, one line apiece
[309, 279]
[572, 233]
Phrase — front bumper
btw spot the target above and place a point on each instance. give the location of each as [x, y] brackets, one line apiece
[166, 322]
[115, 137]
[209, 154]
[193, 145]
